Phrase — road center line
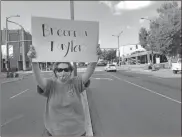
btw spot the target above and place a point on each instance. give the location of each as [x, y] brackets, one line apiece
[147, 89]
[102, 78]
[11, 120]
[99, 74]
[19, 94]
[156, 77]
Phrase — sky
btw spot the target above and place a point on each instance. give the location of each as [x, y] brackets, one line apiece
[113, 16]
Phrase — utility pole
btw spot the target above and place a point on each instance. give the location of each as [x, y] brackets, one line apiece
[1, 54]
[180, 45]
[0, 49]
[118, 51]
[23, 49]
[72, 18]
[118, 44]
[1, 61]
[7, 44]
[7, 48]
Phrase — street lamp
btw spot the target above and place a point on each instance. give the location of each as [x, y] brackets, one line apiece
[146, 19]
[118, 44]
[7, 46]
[23, 46]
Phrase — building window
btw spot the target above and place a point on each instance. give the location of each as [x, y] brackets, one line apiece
[130, 48]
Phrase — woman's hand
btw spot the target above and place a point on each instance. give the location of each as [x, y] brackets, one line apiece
[31, 53]
[42, 82]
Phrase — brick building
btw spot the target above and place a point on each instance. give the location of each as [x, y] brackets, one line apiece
[16, 61]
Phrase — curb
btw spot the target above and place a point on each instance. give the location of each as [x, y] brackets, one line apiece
[88, 124]
[16, 79]
[24, 75]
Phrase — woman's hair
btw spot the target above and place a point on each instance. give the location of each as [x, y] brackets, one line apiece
[55, 66]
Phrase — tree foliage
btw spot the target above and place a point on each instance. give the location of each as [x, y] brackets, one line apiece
[108, 54]
[165, 30]
[143, 37]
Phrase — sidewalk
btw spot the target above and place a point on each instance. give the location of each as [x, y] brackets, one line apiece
[23, 74]
[162, 73]
[4, 79]
[165, 73]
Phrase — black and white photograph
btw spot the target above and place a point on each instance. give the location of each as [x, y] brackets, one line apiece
[90, 68]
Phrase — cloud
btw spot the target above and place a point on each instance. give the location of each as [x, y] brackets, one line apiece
[107, 3]
[125, 5]
[132, 5]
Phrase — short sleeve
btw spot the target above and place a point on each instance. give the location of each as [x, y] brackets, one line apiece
[78, 82]
[45, 92]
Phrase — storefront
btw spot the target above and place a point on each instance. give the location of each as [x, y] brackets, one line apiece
[145, 57]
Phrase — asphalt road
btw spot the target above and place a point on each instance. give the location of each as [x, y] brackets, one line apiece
[21, 109]
[132, 104]
[128, 104]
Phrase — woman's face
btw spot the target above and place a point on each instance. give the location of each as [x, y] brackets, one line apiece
[63, 72]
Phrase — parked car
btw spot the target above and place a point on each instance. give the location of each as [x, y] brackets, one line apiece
[110, 67]
[176, 67]
[101, 63]
[115, 63]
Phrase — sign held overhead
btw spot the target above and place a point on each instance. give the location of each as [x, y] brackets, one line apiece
[61, 40]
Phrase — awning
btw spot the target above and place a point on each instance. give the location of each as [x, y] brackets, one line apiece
[141, 54]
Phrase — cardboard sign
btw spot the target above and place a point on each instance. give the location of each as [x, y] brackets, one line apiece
[61, 40]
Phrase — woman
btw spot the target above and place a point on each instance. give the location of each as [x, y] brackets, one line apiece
[64, 114]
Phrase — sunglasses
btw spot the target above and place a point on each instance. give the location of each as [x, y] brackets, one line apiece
[61, 69]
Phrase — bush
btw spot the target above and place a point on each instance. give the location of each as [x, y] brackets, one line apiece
[16, 75]
[11, 75]
[149, 67]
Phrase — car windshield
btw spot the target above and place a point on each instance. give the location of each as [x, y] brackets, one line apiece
[111, 65]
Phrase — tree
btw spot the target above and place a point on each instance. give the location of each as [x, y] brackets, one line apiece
[168, 29]
[104, 54]
[147, 40]
[112, 54]
[143, 38]
[165, 30]
[109, 55]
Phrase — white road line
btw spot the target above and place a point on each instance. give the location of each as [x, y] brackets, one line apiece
[98, 74]
[148, 90]
[11, 120]
[19, 94]
[102, 78]
[156, 77]
[4, 82]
